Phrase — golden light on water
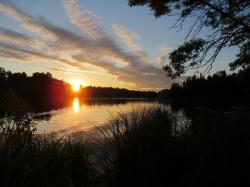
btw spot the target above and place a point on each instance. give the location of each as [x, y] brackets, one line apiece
[76, 105]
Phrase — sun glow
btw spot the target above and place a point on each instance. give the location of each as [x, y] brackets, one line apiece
[76, 86]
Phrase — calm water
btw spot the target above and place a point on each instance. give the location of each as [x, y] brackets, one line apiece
[82, 114]
[85, 114]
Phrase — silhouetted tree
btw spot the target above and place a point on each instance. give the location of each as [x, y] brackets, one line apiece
[229, 23]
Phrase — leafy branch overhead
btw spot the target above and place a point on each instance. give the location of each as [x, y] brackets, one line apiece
[229, 24]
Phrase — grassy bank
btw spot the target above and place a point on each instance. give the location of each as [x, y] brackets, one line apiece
[143, 148]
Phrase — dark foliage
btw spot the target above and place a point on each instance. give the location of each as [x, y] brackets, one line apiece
[153, 148]
[40, 91]
[29, 160]
[108, 92]
[228, 22]
[220, 86]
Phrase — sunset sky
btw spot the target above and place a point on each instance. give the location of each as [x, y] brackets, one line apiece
[95, 42]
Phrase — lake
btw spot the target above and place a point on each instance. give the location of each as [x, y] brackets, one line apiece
[84, 114]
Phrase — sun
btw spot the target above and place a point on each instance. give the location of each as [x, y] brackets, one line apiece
[76, 86]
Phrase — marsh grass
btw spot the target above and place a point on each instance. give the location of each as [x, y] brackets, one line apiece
[146, 147]
[28, 160]
[137, 152]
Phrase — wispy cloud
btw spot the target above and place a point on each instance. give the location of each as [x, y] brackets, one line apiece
[84, 20]
[93, 47]
[28, 22]
[163, 57]
[13, 36]
[127, 37]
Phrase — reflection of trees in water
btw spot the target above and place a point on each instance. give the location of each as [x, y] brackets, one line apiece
[191, 108]
[45, 117]
[110, 102]
[194, 117]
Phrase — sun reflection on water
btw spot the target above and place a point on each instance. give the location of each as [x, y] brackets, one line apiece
[76, 105]
[81, 114]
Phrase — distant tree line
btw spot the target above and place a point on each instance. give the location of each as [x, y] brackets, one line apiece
[37, 92]
[219, 86]
[109, 92]
[20, 92]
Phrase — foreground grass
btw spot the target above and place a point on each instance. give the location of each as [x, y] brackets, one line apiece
[143, 148]
[28, 160]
